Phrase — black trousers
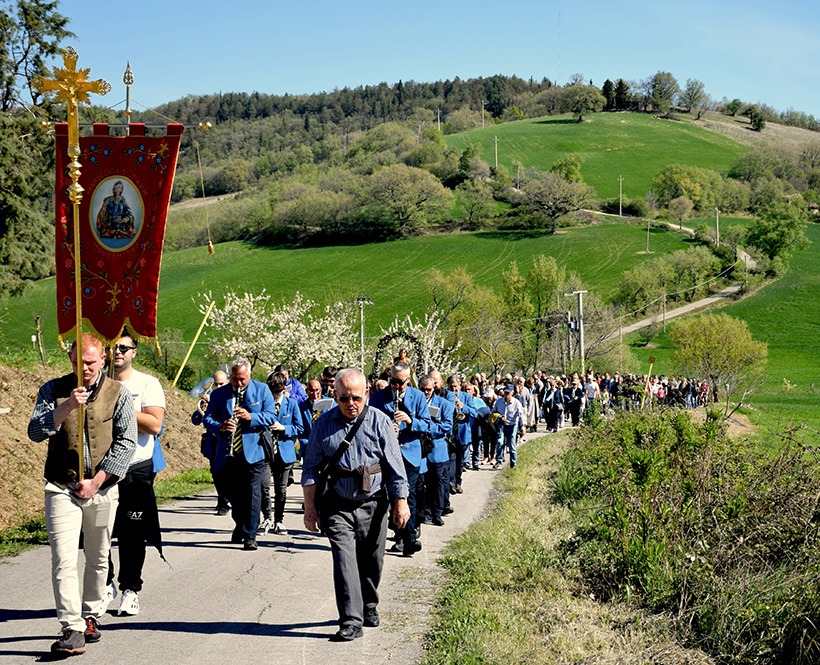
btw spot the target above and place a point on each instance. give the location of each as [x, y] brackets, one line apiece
[244, 487]
[278, 477]
[438, 488]
[135, 521]
[357, 533]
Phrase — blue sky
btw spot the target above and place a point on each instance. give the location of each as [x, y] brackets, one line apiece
[757, 51]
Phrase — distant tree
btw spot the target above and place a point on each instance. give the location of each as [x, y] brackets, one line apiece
[701, 186]
[497, 95]
[623, 95]
[475, 198]
[569, 167]
[575, 79]
[681, 208]
[663, 87]
[583, 99]
[545, 280]
[779, 231]
[553, 196]
[409, 195]
[734, 106]
[721, 349]
[608, 91]
[757, 118]
[734, 236]
[692, 96]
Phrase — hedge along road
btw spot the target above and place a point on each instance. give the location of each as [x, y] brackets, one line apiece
[215, 603]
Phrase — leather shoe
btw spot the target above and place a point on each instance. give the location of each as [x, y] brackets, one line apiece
[250, 545]
[237, 537]
[371, 619]
[411, 547]
[347, 633]
[398, 546]
[447, 511]
[437, 521]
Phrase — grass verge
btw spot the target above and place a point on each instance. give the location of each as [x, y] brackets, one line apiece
[31, 534]
[508, 597]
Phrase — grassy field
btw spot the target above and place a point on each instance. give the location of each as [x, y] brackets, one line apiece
[785, 315]
[634, 145]
[391, 274]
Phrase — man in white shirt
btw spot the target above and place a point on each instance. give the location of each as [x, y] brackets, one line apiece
[137, 517]
[512, 418]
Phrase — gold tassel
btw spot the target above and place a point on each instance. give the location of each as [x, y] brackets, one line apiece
[211, 249]
[62, 343]
[159, 350]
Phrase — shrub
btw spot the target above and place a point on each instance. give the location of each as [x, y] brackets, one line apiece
[683, 520]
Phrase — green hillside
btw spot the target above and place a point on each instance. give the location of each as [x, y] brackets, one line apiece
[786, 316]
[634, 145]
[391, 274]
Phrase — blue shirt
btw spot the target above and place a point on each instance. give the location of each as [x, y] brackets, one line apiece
[375, 442]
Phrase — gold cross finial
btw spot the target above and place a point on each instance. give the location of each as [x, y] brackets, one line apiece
[71, 86]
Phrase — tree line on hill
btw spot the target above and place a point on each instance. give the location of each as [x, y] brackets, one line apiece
[367, 162]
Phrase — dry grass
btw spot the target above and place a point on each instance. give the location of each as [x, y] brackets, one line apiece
[791, 139]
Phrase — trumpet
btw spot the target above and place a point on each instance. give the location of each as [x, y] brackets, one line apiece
[460, 415]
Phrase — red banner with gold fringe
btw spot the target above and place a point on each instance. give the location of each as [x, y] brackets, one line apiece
[126, 183]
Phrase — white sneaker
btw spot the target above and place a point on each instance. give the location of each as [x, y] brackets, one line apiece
[280, 529]
[108, 596]
[264, 526]
[130, 603]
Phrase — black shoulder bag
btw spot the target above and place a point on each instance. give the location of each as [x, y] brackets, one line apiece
[326, 475]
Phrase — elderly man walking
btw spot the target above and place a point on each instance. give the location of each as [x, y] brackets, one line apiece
[359, 449]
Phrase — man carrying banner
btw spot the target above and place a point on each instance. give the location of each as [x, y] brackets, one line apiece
[82, 500]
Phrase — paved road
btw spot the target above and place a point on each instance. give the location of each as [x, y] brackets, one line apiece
[219, 604]
[698, 305]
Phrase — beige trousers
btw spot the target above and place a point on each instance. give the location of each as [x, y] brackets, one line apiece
[66, 517]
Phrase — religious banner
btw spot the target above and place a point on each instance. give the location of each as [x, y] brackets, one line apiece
[126, 183]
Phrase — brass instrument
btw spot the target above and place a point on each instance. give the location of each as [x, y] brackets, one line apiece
[460, 415]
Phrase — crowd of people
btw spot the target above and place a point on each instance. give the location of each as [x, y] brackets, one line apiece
[378, 454]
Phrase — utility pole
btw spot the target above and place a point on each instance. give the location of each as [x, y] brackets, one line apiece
[647, 235]
[580, 295]
[482, 114]
[620, 196]
[361, 301]
[664, 312]
[495, 140]
[717, 227]
[569, 342]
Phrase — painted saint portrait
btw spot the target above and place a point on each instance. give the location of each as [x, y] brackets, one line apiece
[116, 213]
[114, 220]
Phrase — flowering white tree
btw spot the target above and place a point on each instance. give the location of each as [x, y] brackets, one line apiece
[436, 353]
[268, 334]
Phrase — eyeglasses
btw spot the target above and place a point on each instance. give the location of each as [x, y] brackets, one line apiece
[395, 381]
[122, 348]
[344, 399]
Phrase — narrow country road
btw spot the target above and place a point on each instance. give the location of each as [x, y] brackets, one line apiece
[217, 604]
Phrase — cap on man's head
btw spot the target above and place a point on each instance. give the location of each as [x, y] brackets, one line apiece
[508, 388]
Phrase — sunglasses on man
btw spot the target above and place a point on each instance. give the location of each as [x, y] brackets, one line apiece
[344, 399]
[124, 348]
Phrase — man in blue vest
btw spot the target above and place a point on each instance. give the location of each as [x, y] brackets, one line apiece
[236, 414]
[465, 414]
[407, 408]
[437, 478]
